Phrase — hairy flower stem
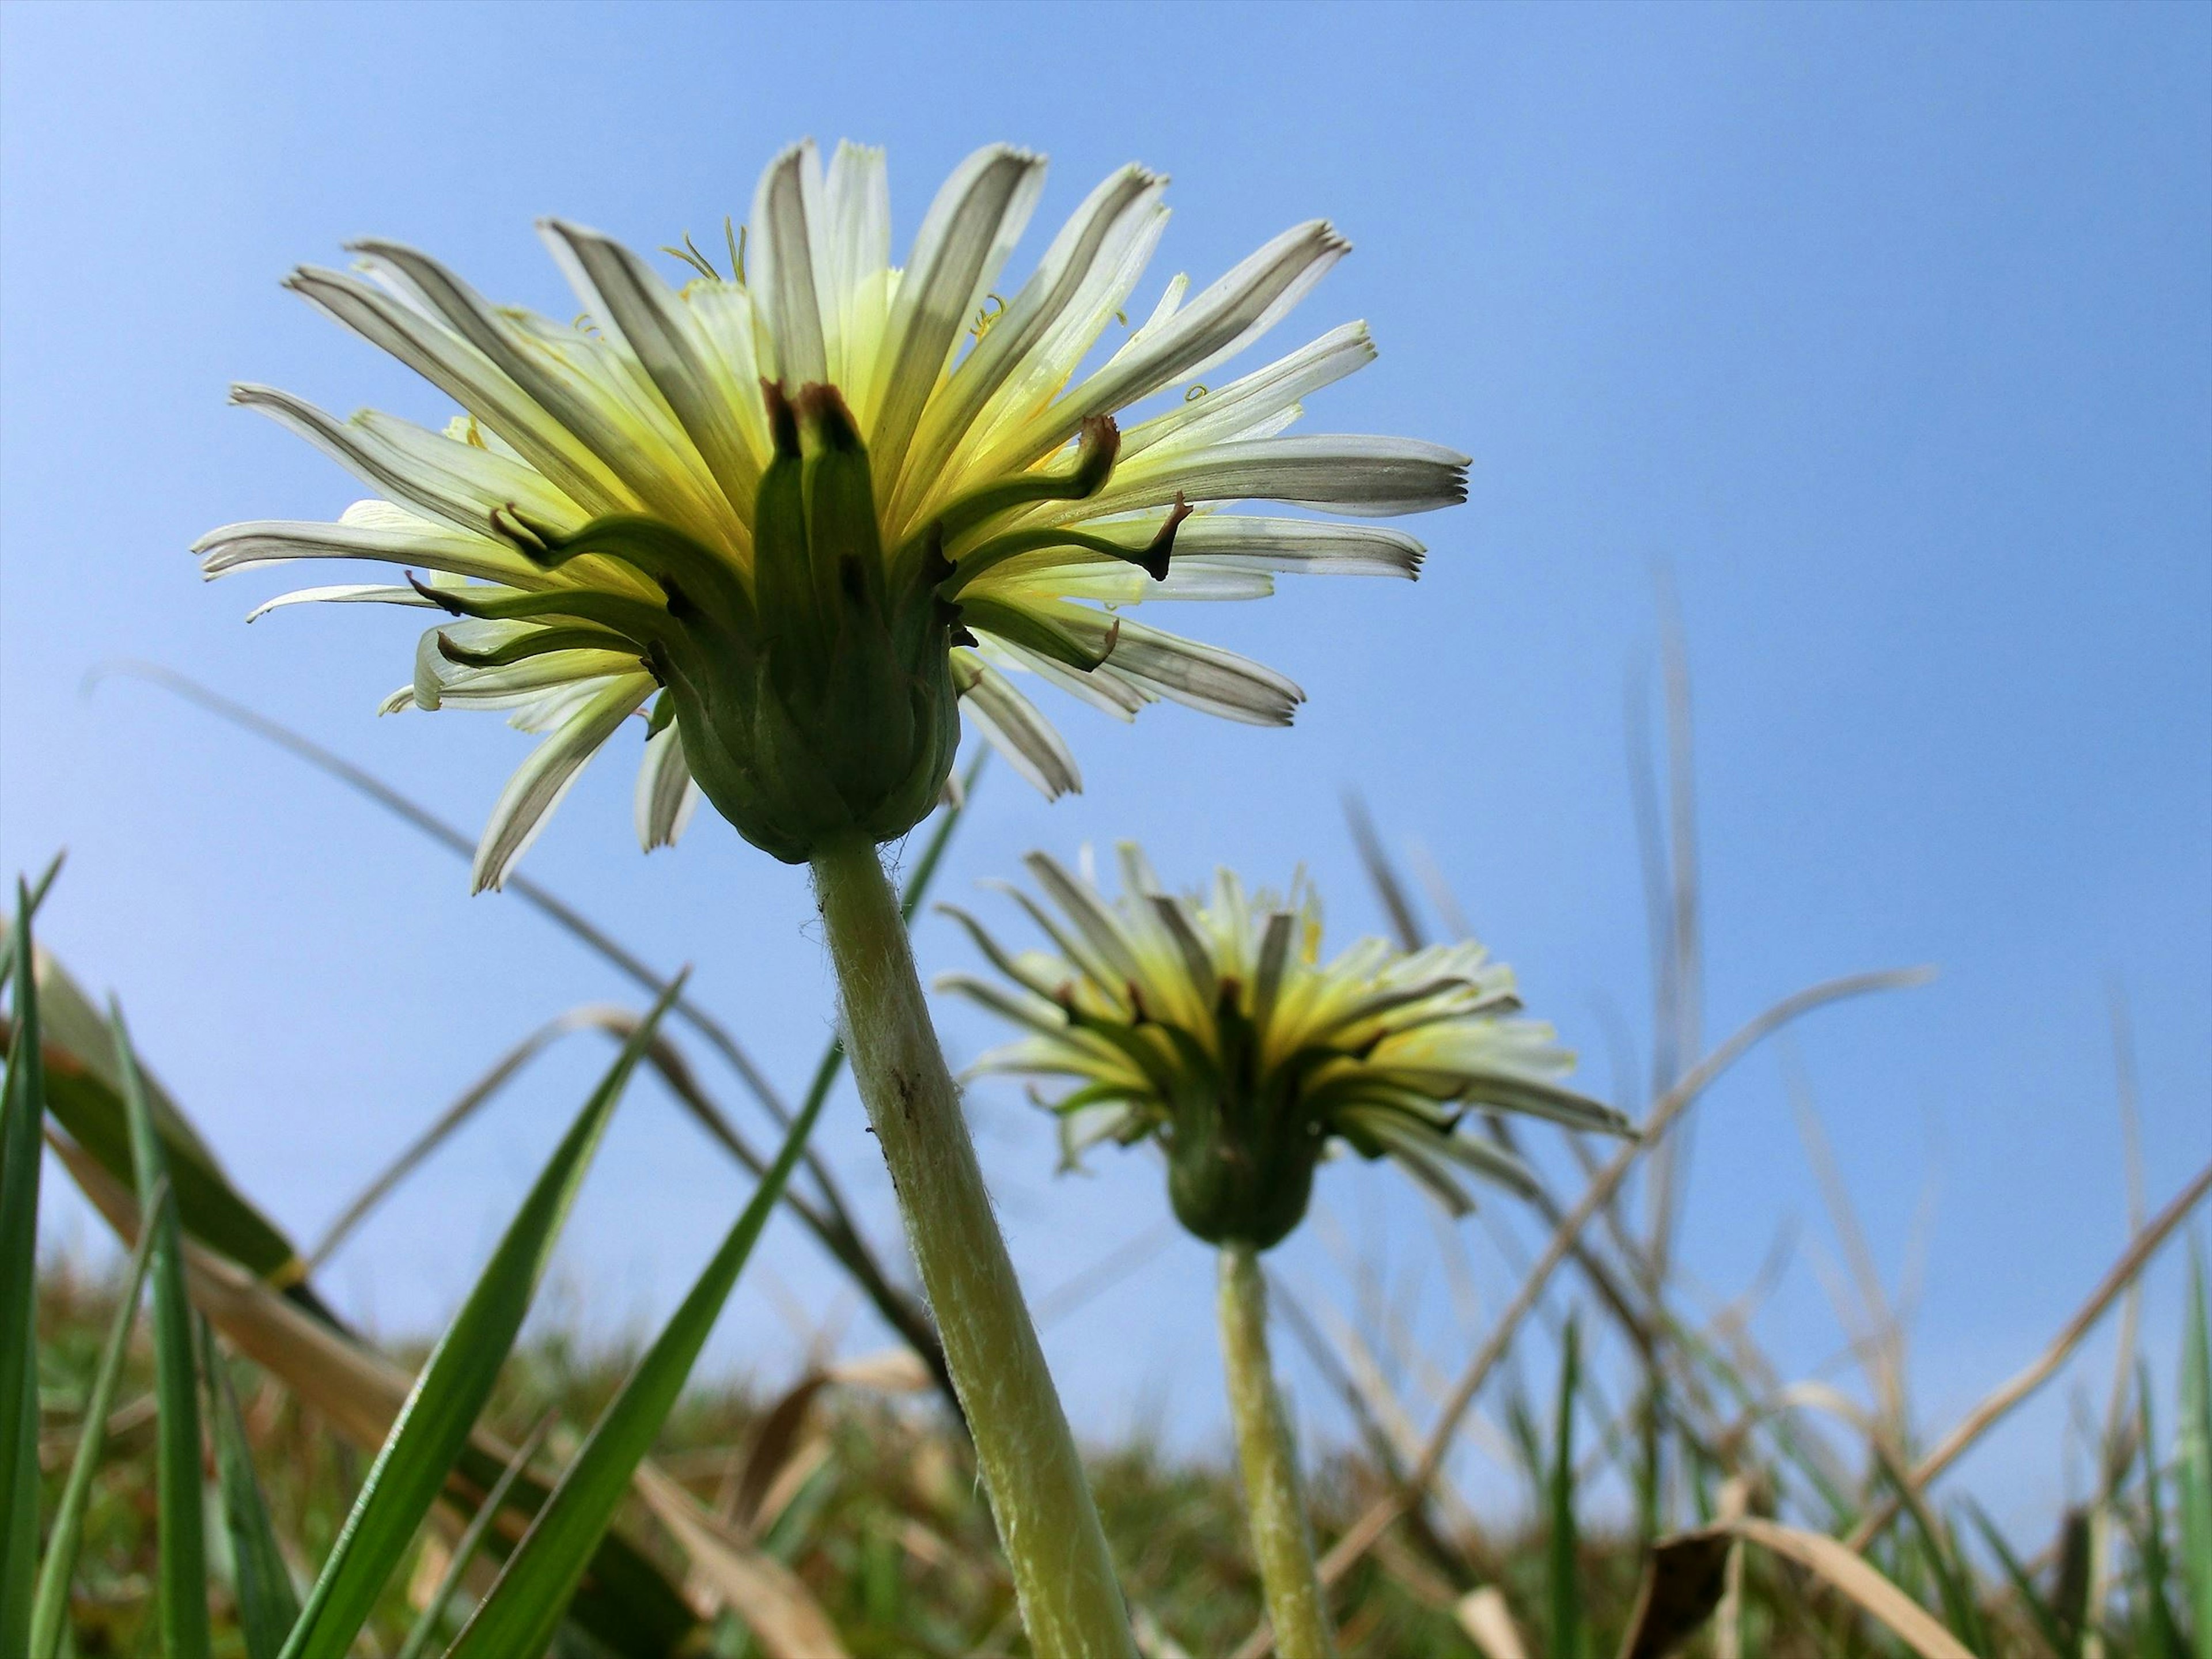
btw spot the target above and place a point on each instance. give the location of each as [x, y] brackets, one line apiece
[1071, 1603]
[1281, 1537]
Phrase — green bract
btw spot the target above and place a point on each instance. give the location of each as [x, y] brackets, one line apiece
[818, 707]
[1215, 1030]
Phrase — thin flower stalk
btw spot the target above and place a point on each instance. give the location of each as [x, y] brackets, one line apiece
[1063, 1573]
[1267, 1455]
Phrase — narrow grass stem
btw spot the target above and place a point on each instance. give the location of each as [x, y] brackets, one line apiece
[1071, 1604]
[1282, 1538]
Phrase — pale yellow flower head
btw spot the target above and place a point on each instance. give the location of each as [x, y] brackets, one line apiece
[806, 505]
[1214, 1027]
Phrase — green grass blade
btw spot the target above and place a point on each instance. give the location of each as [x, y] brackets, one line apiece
[50, 1608]
[28, 907]
[2193, 1458]
[1938, 1552]
[22, 1108]
[268, 1605]
[2048, 1624]
[628, 1602]
[471, 1543]
[2080, 1537]
[1565, 1591]
[181, 1577]
[525, 1605]
[433, 1427]
[2159, 1634]
[1966, 1614]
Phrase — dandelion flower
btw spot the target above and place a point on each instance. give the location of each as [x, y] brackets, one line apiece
[1215, 1030]
[801, 510]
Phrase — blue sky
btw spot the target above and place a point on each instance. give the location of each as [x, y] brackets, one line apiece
[1884, 332]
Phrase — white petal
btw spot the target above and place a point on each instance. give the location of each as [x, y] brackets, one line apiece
[1220, 322]
[1365, 476]
[1102, 580]
[730, 328]
[273, 541]
[1100, 927]
[1308, 546]
[1201, 677]
[1101, 688]
[786, 268]
[353, 594]
[1204, 676]
[471, 379]
[970, 229]
[633, 436]
[1013, 726]
[1085, 1126]
[538, 785]
[1239, 409]
[1092, 238]
[666, 796]
[439, 680]
[1043, 1017]
[669, 343]
[1025, 400]
[857, 205]
[454, 482]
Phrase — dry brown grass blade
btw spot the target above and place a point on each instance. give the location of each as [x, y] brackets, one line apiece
[1679, 986]
[2001, 1400]
[1420, 1580]
[887, 1370]
[1488, 1622]
[780, 1457]
[1736, 1501]
[773, 1444]
[1382, 873]
[785, 1619]
[1684, 1581]
[1390, 890]
[359, 1392]
[1360, 1537]
[1877, 1330]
